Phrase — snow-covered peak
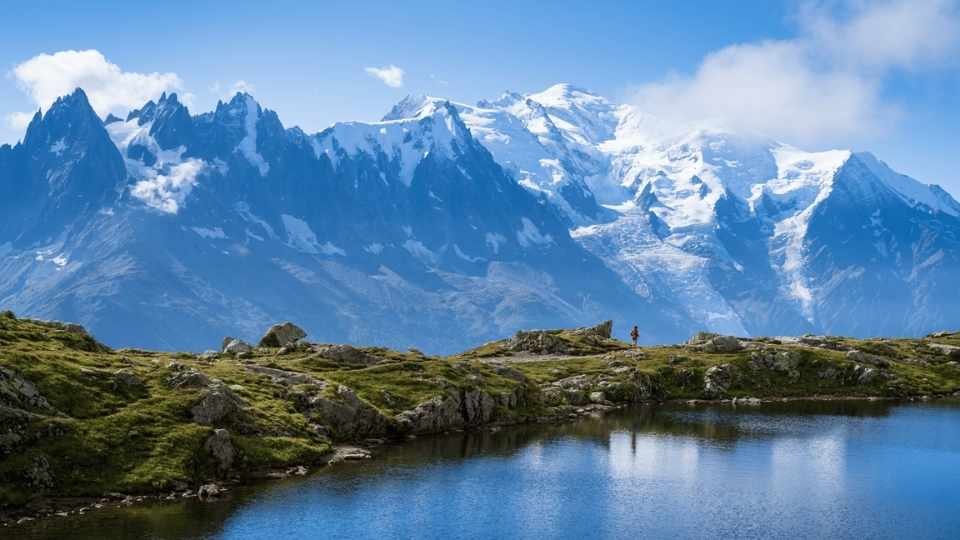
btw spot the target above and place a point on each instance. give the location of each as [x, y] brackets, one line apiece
[911, 191]
[417, 127]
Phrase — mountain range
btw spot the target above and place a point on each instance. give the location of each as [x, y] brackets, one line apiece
[448, 224]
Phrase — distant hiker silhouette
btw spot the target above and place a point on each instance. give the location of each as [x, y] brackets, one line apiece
[634, 335]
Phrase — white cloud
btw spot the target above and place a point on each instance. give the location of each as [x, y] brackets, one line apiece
[46, 77]
[241, 86]
[825, 85]
[18, 121]
[391, 75]
[167, 192]
[892, 33]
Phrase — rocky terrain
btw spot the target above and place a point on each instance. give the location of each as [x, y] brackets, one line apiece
[84, 422]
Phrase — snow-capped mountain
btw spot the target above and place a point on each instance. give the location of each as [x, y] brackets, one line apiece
[170, 230]
[447, 224]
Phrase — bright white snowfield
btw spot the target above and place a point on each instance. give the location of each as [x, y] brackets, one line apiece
[568, 138]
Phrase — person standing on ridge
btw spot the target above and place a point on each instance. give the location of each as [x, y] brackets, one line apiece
[634, 335]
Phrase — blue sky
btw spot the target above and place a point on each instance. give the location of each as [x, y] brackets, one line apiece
[880, 76]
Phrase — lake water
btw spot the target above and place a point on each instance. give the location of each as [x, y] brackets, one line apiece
[798, 470]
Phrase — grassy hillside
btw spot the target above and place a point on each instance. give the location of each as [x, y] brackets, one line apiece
[79, 419]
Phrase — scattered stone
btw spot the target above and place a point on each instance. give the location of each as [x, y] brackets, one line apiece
[597, 397]
[208, 356]
[750, 401]
[283, 334]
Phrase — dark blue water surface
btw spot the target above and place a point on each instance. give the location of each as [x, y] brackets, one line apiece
[798, 470]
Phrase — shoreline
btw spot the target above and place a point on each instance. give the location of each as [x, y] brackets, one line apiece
[62, 507]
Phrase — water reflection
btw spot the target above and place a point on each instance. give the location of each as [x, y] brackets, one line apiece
[823, 469]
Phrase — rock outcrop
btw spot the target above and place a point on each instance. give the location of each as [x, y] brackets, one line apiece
[347, 355]
[714, 343]
[220, 447]
[19, 392]
[237, 346]
[718, 379]
[282, 335]
[217, 403]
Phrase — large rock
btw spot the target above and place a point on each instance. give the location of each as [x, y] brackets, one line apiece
[718, 379]
[216, 404]
[603, 330]
[346, 415]
[714, 343]
[19, 392]
[457, 409]
[539, 342]
[786, 362]
[282, 335]
[220, 447]
[237, 346]
[951, 351]
[346, 354]
[866, 358]
[186, 377]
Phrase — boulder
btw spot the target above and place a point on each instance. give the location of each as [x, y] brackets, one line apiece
[865, 358]
[950, 351]
[208, 491]
[713, 343]
[237, 346]
[723, 344]
[220, 447]
[718, 379]
[281, 335]
[217, 403]
[866, 374]
[187, 377]
[126, 378]
[346, 354]
[597, 397]
[346, 416]
[19, 392]
[786, 362]
[700, 338]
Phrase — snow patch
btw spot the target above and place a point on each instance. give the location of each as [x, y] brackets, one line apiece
[248, 145]
[530, 234]
[215, 233]
[494, 240]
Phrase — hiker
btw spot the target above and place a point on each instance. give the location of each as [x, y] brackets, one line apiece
[634, 334]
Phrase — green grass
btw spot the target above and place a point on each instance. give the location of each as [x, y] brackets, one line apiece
[103, 436]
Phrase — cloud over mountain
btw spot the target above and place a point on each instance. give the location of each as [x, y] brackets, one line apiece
[825, 85]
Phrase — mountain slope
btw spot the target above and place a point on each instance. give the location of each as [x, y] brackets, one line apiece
[396, 233]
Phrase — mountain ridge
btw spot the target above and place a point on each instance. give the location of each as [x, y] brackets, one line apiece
[547, 209]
